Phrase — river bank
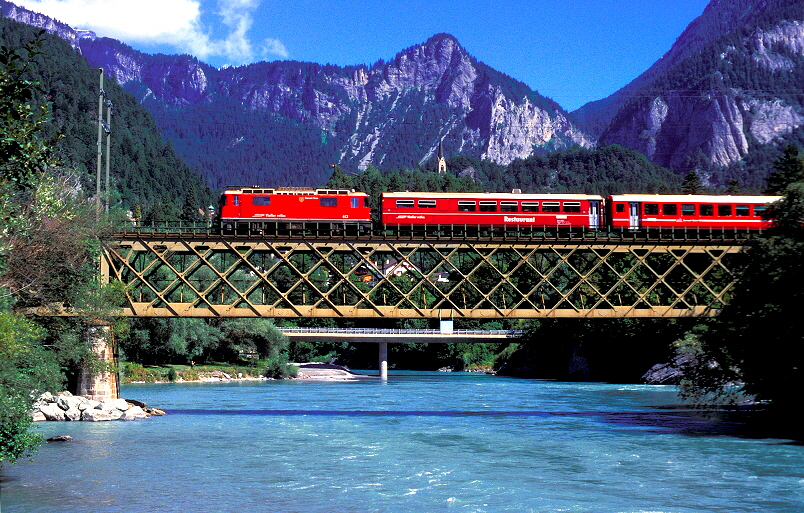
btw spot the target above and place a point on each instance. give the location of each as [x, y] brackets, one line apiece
[224, 373]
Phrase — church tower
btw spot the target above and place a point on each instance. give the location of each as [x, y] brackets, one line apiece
[442, 162]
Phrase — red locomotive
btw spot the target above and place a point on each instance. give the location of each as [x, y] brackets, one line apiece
[688, 212]
[406, 209]
[256, 210]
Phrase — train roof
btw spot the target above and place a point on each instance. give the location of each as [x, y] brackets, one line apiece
[492, 195]
[290, 191]
[693, 198]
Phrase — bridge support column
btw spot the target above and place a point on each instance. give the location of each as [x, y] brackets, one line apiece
[384, 360]
[98, 379]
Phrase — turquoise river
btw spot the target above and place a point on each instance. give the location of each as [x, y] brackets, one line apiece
[420, 442]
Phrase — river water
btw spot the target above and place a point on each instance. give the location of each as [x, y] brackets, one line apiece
[420, 442]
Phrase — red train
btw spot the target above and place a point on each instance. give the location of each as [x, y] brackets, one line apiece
[691, 212]
[491, 209]
[250, 210]
[255, 210]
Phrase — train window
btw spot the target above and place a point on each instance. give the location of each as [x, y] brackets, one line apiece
[488, 206]
[651, 209]
[261, 201]
[724, 210]
[508, 206]
[669, 209]
[427, 204]
[706, 210]
[404, 203]
[530, 206]
[687, 210]
[236, 200]
[572, 207]
[328, 202]
[467, 206]
[619, 207]
[742, 211]
[759, 210]
[355, 202]
[550, 206]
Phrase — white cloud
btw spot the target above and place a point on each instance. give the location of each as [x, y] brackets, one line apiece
[166, 22]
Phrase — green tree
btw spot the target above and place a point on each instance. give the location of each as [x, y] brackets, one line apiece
[692, 183]
[22, 150]
[758, 340]
[26, 370]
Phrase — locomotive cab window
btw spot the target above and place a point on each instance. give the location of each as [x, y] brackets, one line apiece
[508, 206]
[707, 210]
[427, 204]
[488, 206]
[328, 202]
[651, 209]
[572, 207]
[550, 206]
[742, 211]
[261, 201]
[467, 206]
[355, 202]
[724, 210]
[619, 208]
[530, 206]
[687, 210]
[404, 203]
[669, 209]
[759, 210]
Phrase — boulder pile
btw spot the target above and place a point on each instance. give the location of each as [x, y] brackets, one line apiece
[66, 406]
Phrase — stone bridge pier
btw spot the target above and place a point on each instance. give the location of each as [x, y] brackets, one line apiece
[98, 379]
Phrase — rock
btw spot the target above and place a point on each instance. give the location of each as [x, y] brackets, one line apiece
[155, 412]
[52, 412]
[67, 402]
[47, 397]
[60, 438]
[88, 404]
[73, 414]
[136, 403]
[114, 404]
[38, 416]
[135, 412]
[96, 415]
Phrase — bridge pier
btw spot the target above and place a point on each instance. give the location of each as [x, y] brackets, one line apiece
[98, 379]
[383, 360]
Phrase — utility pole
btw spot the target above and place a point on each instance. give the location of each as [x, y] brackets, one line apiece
[108, 129]
[101, 94]
[103, 126]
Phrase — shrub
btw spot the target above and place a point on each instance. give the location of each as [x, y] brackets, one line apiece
[279, 368]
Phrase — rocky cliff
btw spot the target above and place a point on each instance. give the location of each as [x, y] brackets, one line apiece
[730, 81]
[427, 93]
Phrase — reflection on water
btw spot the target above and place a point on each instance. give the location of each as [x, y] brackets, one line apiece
[421, 442]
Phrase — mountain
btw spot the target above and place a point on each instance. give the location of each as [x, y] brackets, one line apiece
[145, 170]
[260, 123]
[730, 84]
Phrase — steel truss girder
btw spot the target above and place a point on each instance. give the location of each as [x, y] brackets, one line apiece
[218, 277]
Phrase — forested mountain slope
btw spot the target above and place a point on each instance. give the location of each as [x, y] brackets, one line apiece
[144, 168]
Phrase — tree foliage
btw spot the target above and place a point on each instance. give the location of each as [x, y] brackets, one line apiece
[758, 340]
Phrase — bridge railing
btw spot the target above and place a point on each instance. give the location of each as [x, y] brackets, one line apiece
[393, 331]
[190, 230]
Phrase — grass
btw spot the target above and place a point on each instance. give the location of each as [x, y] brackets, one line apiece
[136, 373]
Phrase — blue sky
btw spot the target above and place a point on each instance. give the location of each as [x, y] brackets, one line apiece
[572, 51]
